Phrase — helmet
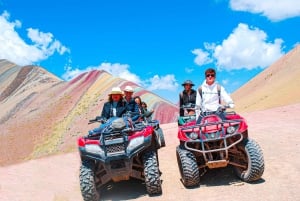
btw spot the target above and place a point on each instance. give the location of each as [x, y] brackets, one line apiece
[188, 82]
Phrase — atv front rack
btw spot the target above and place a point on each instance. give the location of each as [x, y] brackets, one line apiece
[211, 132]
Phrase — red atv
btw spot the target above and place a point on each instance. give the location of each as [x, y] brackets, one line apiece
[120, 150]
[217, 143]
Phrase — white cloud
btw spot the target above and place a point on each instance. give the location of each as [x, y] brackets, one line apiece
[167, 82]
[15, 49]
[225, 81]
[202, 57]
[275, 10]
[189, 70]
[116, 69]
[245, 48]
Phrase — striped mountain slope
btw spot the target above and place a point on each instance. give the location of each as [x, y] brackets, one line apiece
[42, 114]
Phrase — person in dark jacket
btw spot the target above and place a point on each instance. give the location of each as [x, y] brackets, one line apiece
[188, 95]
[130, 102]
[114, 108]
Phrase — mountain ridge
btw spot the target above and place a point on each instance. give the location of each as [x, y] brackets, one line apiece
[42, 115]
[275, 86]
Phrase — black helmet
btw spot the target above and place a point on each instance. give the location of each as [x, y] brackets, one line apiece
[188, 82]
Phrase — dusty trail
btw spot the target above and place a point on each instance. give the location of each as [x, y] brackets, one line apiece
[55, 178]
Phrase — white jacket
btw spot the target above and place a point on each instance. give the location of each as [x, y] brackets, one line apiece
[210, 99]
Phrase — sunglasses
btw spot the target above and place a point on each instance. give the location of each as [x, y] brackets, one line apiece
[210, 75]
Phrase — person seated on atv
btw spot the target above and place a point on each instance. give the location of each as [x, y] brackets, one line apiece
[148, 113]
[144, 113]
[114, 107]
[131, 105]
[187, 96]
[210, 95]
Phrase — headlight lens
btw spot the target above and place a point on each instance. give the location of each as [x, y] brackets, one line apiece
[135, 142]
[94, 148]
[193, 135]
[231, 129]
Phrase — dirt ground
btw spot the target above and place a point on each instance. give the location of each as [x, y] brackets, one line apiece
[277, 131]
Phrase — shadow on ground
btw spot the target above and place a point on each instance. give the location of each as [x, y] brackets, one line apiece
[124, 190]
[222, 177]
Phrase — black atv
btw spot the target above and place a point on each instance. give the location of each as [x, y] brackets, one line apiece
[121, 149]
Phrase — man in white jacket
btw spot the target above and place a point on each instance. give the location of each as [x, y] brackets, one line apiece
[211, 95]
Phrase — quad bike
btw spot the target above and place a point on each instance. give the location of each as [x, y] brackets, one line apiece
[120, 150]
[217, 143]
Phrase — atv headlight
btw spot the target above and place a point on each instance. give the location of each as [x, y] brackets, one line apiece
[193, 135]
[94, 148]
[135, 142]
[230, 129]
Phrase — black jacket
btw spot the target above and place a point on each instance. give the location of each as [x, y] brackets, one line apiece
[107, 110]
[184, 98]
[132, 106]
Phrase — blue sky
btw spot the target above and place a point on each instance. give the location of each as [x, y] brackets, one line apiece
[157, 44]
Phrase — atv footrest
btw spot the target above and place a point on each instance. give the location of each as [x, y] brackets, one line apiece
[216, 164]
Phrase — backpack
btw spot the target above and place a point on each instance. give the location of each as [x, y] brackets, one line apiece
[219, 92]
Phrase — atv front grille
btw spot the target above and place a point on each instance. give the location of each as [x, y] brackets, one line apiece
[114, 148]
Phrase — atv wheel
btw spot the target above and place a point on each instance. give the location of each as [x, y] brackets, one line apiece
[87, 181]
[160, 135]
[151, 172]
[188, 167]
[253, 158]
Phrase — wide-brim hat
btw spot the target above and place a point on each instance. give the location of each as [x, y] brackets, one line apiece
[188, 82]
[116, 90]
[128, 89]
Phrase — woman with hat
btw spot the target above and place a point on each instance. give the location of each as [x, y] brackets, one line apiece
[115, 106]
[188, 95]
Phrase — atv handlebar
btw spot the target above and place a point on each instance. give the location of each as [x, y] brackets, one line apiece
[222, 108]
[98, 119]
[189, 106]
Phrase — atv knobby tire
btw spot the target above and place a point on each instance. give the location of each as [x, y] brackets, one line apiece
[160, 136]
[188, 167]
[151, 172]
[87, 181]
[254, 158]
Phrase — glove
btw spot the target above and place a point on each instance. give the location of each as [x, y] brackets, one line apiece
[100, 118]
[231, 105]
[221, 108]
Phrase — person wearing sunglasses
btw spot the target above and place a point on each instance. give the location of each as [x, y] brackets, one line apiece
[212, 97]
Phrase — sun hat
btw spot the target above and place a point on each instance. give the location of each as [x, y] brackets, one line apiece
[128, 89]
[116, 90]
[188, 82]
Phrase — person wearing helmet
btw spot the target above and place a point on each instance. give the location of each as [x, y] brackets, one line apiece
[187, 96]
